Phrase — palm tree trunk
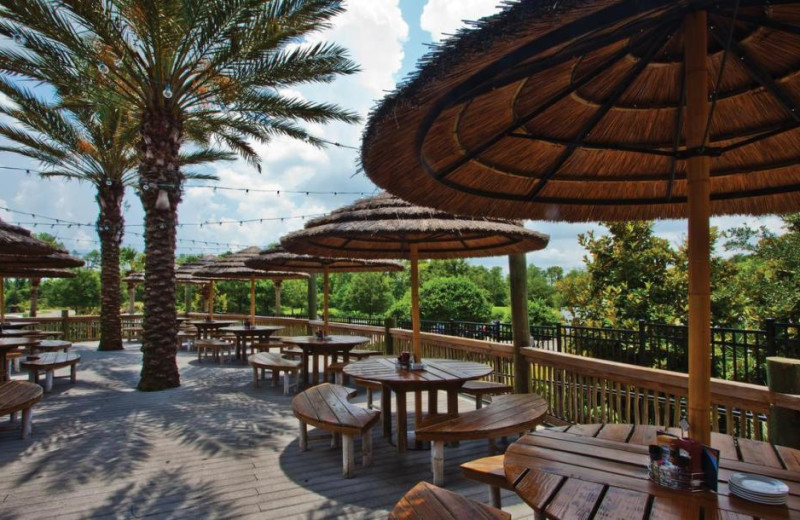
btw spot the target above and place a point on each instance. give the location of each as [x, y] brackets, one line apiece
[110, 227]
[159, 169]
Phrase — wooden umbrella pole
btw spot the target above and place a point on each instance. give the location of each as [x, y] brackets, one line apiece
[211, 300]
[415, 325]
[697, 107]
[253, 300]
[2, 299]
[325, 297]
[132, 298]
[277, 297]
[520, 328]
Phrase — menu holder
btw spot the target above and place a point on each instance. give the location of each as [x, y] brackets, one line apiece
[683, 464]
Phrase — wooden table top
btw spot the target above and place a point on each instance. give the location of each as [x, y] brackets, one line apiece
[13, 325]
[241, 329]
[437, 372]
[215, 323]
[17, 333]
[12, 343]
[589, 474]
[333, 341]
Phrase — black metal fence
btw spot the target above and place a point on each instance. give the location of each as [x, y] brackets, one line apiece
[736, 355]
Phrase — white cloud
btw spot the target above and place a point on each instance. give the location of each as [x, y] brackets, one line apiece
[442, 17]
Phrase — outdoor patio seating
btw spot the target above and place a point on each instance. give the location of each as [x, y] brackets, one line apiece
[19, 396]
[264, 361]
[49, 362]
[489, 471]
[481, 389]
[428, 502]
[213, 346]
[326, 406]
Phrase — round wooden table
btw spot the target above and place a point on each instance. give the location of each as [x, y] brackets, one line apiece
[14, 325]
[204, 327]
[600, 471]
[242, 333]
[439, 374]
[331, 345]
[7, 345]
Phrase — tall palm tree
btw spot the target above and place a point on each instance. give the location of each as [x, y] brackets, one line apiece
[95, 147]
[191, 70]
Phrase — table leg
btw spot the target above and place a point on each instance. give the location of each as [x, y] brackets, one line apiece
[315, 368]
[402, 421]
[304, 368]
[417, 417]
[3, 367]
[386, 411]
[452, 400]
[433, 401]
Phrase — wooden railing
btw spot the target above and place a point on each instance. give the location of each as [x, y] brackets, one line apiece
[577, 389]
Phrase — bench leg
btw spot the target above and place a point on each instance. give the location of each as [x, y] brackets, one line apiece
[303, 436]
[336, 440]
[27, 417]
[255, 377]
[386, 411]
[366, 448]
[276, 374]
[494, 493]
[348, 457]
[437, 462]
[286, 382]
[339, 378]
[199, 357]
[369, 398]
[478, 402]
[12, 417]
[48, 380]
[73, 373]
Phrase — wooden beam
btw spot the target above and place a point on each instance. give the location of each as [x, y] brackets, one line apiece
[211, 300]
[253, 300]
[277, 284]
[415, 323]
[697, 107]
[3, 301]
[326, 289]
[521, 332]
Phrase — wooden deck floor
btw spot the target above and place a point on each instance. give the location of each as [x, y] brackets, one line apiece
[213, 448]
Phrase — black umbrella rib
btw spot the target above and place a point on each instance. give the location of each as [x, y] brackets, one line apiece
[598, 146]
[563, 93]
[780, 129]
[763, 77]
[763, 21]
[657, 43]
[677, 139]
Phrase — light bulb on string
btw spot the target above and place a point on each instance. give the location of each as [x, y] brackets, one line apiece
[103, 68]
[167, 91]
[162, 202]
[18, 38]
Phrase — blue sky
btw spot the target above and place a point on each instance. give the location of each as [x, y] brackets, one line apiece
[386, 37]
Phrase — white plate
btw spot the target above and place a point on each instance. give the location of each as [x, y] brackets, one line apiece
[761, 500]
[759, 485]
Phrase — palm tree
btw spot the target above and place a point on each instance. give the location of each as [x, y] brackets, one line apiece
[191, 70]
[94, 147]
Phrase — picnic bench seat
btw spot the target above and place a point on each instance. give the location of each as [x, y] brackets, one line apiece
[18, 396]
[428, 502]
[508, 414]
[52, 345]
[186, 337]
[204, 346]
[49, 362]
[480, 389]
[326, 406]
[489, 471]
[276, 363]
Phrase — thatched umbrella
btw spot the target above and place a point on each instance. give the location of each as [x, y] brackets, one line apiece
[232, 267]
[385, 226]
[56, 260]
[279, 259]
[15, 240]
[184, 274]
[607, 110]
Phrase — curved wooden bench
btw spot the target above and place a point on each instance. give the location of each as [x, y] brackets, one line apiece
[326, 407]
[53, 345]
[508, 414]
[480, 389]
[427, 502]
[18, 396]
[268, 361]
[49, 362]
[490, 471]
[204, 346]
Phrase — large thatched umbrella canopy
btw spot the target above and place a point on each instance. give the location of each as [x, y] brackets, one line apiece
[232, 267]
[607, 110]
[278, 259]
[35, 275]
[56, 260]
[385, 226]
[15, 240]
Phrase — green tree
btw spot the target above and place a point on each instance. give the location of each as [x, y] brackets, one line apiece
[369, 293]
[81, 293]
[189, 70]
[493, 282]
[451, 298]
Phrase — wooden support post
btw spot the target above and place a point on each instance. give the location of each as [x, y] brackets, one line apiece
[211, 300]
[415, 324]
[34, 296]
[783, 377]
[2, 299]
[303, 436]
[277, 284]
[187, 298]
[521, 331]
[388, 325]
[65, 324]
[699, 205]
[366, 448]
[253, 300]
[27, 422]
[132, 298]
[325, 299]
[312, 297]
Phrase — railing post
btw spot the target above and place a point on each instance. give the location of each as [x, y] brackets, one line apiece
[771, 333]
[642, 340]
[65, 324]
[558, 338]
[783, 377]
[388, 325]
